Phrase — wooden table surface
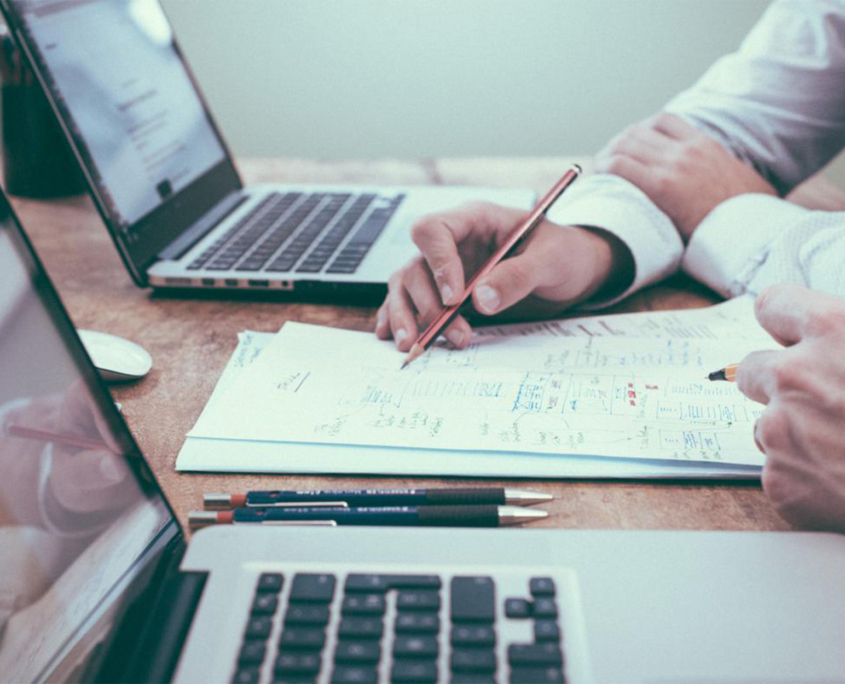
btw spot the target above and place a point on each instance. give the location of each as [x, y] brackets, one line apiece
[191, 341]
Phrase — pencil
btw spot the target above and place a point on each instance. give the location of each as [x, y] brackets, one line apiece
[68, 440]
[728, 373]
[439, 324]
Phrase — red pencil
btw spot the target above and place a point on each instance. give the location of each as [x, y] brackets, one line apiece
[439, 324]
[69, 440]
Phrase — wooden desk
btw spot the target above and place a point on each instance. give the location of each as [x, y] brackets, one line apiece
[191, 341]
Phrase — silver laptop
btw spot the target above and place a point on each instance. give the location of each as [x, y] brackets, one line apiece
[98, 584]
[166, 186]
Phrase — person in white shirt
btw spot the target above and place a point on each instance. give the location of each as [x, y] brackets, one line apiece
[697, 187]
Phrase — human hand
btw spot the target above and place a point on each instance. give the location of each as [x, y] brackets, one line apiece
[87, 480]
[684, 172]
[556, 267]
[802, 430]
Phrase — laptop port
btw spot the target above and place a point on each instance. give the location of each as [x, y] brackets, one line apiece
[259, 283]
[208, 282]
[231, 282]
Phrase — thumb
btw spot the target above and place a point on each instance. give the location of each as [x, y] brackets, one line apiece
[509, 283]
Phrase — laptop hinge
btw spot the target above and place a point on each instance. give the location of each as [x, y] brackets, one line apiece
[208, 222]
[151, 631]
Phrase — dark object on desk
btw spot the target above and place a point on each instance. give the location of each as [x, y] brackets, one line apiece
[421, 516]
[37, 161]
[455, 496]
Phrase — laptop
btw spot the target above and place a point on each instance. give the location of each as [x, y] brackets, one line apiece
[98, 582]
[166, 186]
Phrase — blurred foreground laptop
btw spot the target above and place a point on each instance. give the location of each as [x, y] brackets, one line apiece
[97, 583]
[166, 186]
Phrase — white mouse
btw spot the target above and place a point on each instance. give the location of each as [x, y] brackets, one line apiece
[117, 359]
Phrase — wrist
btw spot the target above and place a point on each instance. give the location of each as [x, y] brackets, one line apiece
[612, 264]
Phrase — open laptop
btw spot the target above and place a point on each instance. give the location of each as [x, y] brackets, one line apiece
[97, 582]
[166, 186]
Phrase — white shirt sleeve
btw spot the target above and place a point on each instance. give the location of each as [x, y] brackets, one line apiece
[753, 241]
[619, 207]
[778, 103]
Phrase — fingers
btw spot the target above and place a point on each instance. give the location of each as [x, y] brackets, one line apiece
[412, 303]
[755, 377]
[632, 170]
[790, 312]
[673, 126]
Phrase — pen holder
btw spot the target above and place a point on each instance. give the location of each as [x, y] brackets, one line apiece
[37, 160]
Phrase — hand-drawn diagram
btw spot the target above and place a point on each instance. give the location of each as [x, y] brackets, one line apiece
[636, 391]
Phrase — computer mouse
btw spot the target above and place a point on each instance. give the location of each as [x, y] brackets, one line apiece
[117, 359]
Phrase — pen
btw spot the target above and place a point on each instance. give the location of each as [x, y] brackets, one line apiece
[59, 438]
[727, 373]
[378, 497]
[442, 321]
[417, 516]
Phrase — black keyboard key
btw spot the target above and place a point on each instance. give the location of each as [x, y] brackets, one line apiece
[302, 639]
[410, 599]
[360, 628]
[298, 664]
[354, 674]
[542, 586]
[473, 635]
[265, 604]
[281, 265]
[310, 267]
[252, 653]
[258, 627]
[473, 678]
[473, 599]
[473, 660]
[545, 608]
[415, 646]
[546, 630]
[357, 652]
[270, 581]
[342, 270]
[417, 623]
[247, 675]
[517, 608]
[414, 672]
[380, 583]
[312, 588]
[534, 655]
[311, 615]
[537, 675]
[363, 604]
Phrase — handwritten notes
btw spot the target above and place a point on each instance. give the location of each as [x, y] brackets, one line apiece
[627, 386]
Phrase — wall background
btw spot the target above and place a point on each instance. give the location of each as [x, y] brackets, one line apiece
[412, 78]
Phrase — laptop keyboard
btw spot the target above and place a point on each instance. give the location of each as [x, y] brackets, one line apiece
[399, 628]
[302, 233]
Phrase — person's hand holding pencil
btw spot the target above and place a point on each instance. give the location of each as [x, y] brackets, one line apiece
[802, 430]
[554, 268]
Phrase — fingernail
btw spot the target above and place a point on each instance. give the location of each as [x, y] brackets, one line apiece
[488, 298]
[446, 294]
[401, 335]
[379, 321]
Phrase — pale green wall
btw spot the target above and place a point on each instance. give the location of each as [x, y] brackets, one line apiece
[411, 78]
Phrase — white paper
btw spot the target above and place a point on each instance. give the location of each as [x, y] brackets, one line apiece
[622, 387]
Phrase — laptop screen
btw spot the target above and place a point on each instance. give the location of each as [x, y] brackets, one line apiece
[115, 75]
[79, 512]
